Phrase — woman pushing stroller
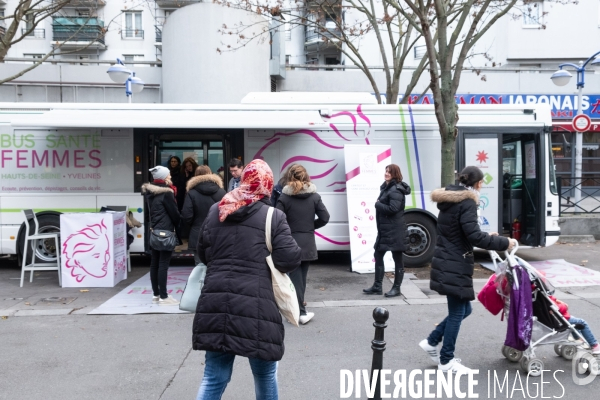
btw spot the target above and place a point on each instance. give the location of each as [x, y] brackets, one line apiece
[452, 266]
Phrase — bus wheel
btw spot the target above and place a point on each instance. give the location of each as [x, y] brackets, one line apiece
[44, 249]
[422, 234]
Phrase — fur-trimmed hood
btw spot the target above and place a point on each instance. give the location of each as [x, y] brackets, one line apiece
[309, 188]
[196, 180]
[149, 188]
[454, 194]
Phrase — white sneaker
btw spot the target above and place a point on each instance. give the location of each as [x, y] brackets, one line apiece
[455, 366]
[432, 351]
[155, 299]
[169, 301]
[305, 318]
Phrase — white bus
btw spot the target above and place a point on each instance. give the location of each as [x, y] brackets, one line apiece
[58, 158]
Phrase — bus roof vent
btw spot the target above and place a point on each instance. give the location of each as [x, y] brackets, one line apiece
[309, 98]
[24, 110]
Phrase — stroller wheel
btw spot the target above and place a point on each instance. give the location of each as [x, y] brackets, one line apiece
[513, 355]
[558, 349]
[568, 352]
[533, 367]
[505, 351]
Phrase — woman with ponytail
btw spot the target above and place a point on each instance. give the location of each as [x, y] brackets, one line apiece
[300, 202]
[452, 266]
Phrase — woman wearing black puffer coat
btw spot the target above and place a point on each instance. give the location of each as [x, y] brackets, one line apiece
[391, 229]
[300, 202]
[160, 197]
[203, 190]
[452, 265]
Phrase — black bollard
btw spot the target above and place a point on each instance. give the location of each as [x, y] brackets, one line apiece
[380, 315]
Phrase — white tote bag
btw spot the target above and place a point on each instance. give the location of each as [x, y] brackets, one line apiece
[283, 288]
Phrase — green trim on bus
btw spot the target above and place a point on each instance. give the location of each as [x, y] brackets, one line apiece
[409, 162]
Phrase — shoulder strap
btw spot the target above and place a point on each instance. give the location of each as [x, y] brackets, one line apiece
[268, 229]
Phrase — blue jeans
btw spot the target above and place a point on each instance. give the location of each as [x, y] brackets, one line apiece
[586, 332]
[217, 374]
[458, 309]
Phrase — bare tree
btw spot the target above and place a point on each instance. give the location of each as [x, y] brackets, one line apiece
[451, 28]
[394, 34]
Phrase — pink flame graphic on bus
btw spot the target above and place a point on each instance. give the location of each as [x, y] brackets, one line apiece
[87, 252]
[312, 163]
[331, 166]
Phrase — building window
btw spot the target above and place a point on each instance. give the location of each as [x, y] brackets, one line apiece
[532, 14]
[132, 58]
[420, 51]
[288, 31]
[133, 26]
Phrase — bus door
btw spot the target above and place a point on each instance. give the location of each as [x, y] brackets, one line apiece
[513, 183]
[206, 147]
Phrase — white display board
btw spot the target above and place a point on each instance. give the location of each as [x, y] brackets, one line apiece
[483, 153]
[365, 170]
[93, 249]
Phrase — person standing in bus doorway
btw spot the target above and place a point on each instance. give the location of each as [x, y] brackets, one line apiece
[452, 266]
[176, 179]
[203, 190]
[236, 166]
[237, 314]
[391, 229]
[300, 202]
[160, 197]
[188, 171]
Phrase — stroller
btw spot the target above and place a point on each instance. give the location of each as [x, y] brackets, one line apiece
[549, 326]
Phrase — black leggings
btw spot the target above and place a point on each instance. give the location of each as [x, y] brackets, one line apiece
[159, 267]
[298, 277]
[397, 255]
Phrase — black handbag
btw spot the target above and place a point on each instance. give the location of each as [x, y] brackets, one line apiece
[162, 240]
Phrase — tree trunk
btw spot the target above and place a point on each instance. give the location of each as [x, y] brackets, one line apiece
[448, 160]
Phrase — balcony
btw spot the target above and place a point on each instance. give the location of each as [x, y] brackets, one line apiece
[36, 33]
[158, 37]
[174, 3]
[132, 34]
[84, 3]
[314, 38]
[78, 32]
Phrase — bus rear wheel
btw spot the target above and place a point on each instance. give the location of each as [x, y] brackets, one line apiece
[45, 250]
[422, 235]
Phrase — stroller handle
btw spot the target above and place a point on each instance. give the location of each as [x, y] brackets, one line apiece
[510, 256]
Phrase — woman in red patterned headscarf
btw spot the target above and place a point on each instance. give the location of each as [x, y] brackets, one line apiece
[237, 314]
[256, 182]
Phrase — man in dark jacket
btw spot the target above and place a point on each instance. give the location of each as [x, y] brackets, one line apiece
[452, 265]
[236, 167]
[202, 192]
[237, 313]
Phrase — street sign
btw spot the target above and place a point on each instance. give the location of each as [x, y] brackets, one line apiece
[582, 123]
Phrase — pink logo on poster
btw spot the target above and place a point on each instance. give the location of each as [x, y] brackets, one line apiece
[87, 252]
[363, 204]
[355, 228]
[371, 217]
[367, 211]
[359, 235]
[364, 242]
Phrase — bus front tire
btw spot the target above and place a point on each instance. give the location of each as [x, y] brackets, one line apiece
[422, 235]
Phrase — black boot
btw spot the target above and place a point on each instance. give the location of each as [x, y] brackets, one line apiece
[395, 291]
[376, 288]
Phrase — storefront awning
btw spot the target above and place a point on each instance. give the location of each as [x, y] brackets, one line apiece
[182, 119]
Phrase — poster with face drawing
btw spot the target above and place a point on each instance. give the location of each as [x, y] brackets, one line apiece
[93, 249]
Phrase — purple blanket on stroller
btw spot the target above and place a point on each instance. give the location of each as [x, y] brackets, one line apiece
[520, 321]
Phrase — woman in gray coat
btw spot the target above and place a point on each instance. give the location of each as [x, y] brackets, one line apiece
[300, 202]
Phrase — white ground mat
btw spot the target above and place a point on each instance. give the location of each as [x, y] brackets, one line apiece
[562, 273]
[137, 297]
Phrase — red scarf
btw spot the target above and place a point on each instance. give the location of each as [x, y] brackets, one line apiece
[162, 182]
[256, 182]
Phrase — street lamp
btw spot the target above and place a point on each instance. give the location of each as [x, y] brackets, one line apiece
[562, 78]
[118, 73]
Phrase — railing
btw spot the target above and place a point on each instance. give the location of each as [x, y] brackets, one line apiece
[77, 29]
[35, 33]
[312, 36]
[158, 34]
[132, 34]
[589, 185]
